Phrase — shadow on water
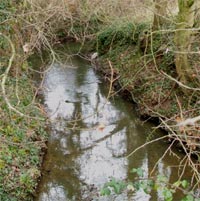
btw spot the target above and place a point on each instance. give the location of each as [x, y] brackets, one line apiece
[90, 137]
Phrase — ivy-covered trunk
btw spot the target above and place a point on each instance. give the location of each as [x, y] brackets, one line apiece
[183, 35]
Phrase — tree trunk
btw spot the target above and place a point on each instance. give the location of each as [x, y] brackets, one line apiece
[183, 39]
[160, 13]
[197, 13]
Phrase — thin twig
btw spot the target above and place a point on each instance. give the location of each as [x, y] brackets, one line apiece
[179, 83]
[147, 143]
[4, 79]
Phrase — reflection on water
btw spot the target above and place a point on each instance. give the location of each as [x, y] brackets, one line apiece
[82, 156]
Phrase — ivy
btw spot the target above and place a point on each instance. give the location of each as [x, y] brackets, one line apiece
[160, 182]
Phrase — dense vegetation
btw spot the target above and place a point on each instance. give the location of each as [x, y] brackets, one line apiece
[22, 134]
[153, 50]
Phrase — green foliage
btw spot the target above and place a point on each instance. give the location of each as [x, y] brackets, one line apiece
[21, 140]
[138, 171]
[7, 7]
[190, 198]
[118, 35]
[113, 186]
[158, 183]
[182, 3]
[167, 194]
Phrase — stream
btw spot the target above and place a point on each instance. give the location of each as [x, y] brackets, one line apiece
[90, 137]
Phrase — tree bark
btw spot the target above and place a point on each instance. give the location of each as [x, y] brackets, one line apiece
[160, 13]
[197, 13]
[183, 39]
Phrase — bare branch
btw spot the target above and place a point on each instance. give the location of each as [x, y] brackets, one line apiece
[189, 121]
[180, 83]
[5, 75]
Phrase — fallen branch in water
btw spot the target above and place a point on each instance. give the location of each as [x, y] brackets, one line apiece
[147, 143]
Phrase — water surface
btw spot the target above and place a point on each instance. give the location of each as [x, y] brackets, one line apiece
[90, 137]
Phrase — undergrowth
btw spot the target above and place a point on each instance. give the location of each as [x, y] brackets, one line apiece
[21, 140]
[158, 183]
[140, 66]
[22, 135]
[138, 55]
[146, 69]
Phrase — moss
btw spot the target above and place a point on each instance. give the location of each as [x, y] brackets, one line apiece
[119, 35]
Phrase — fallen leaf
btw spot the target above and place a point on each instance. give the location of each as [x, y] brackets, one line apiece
[130, 187]
[101, 127]
[26, 47]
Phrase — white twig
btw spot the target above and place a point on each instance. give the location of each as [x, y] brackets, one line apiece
[189, 121]
[4, 78]
[5, 75]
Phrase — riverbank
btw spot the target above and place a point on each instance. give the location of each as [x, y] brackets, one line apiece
[22, 124]
[141, 60]
[22, 140]
[149, 77]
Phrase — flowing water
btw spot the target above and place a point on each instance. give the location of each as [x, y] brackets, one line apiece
[90, 137]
